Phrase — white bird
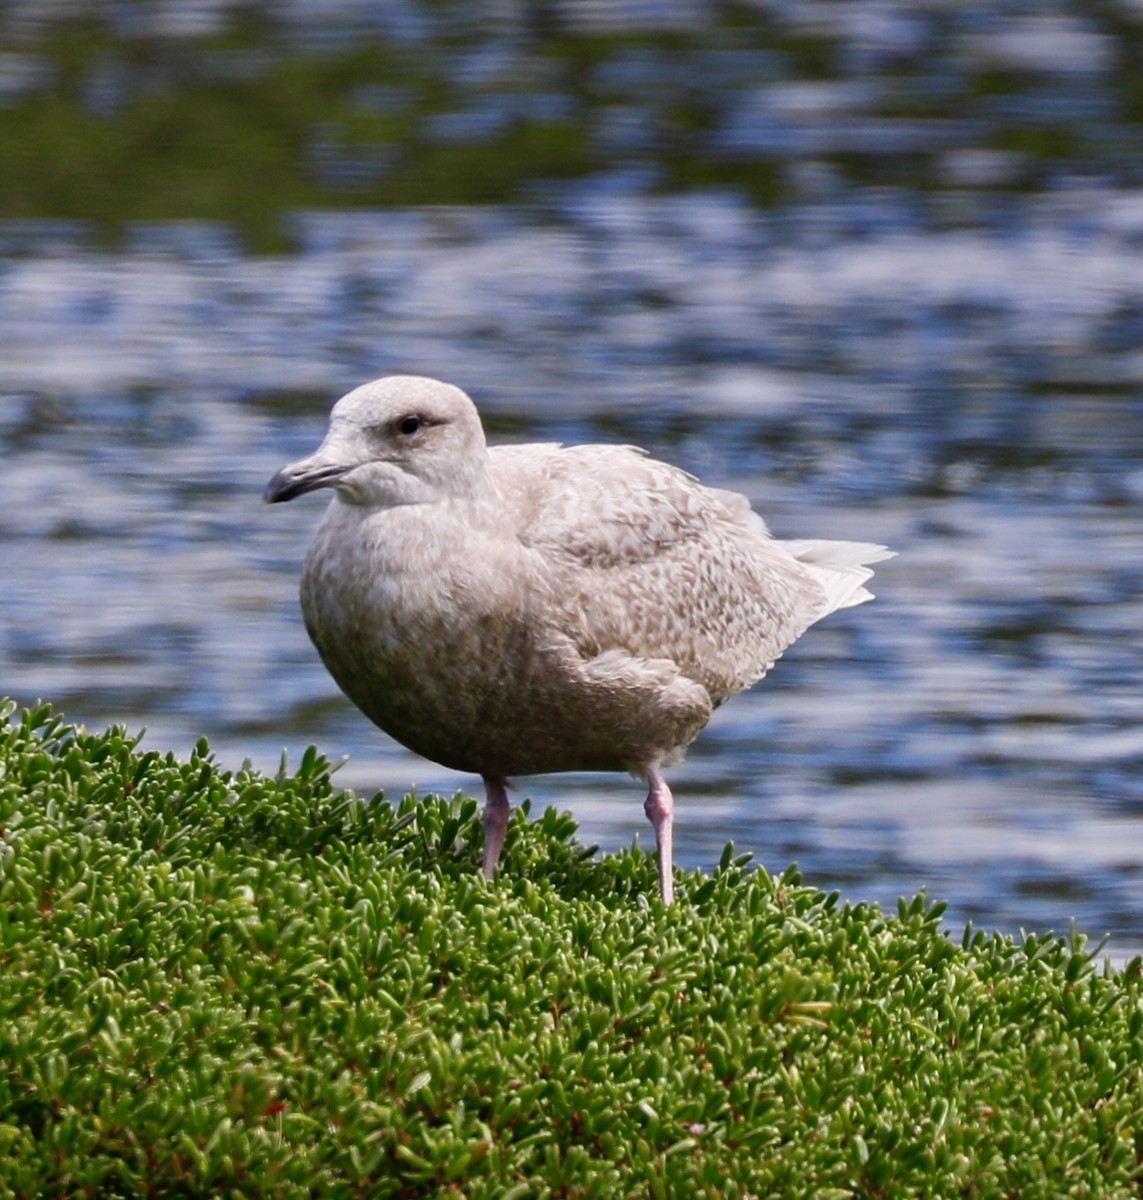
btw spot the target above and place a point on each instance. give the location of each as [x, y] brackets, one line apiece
[522, 610]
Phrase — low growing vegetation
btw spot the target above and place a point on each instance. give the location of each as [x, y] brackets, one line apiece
[220, 983]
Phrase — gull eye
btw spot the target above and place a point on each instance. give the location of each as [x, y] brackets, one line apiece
[410, 425]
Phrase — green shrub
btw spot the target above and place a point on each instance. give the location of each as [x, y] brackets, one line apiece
[218, 983]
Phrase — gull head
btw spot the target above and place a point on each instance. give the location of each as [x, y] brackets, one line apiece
[404, 439]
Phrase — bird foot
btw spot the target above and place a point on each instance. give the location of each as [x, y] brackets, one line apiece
[496, 810]
[660, 809]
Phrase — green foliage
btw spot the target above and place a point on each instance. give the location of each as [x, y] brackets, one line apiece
[227, 984]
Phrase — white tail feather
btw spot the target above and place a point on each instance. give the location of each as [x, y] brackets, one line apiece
[840, 567]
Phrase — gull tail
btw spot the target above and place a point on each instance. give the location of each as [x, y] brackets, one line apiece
[840, 567]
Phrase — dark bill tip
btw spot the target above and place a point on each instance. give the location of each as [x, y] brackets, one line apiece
[296, 481]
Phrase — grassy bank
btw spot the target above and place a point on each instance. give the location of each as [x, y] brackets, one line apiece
[222, 983]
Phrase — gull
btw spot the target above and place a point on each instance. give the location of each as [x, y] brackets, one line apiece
[531, 609]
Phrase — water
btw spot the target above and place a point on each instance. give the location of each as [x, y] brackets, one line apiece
[958, 374]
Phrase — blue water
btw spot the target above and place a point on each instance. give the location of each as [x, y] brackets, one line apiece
[960, 376]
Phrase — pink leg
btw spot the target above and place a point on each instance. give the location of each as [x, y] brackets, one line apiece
[496, 810]
[660, 809]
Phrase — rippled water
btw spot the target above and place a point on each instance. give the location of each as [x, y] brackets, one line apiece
[968, 391]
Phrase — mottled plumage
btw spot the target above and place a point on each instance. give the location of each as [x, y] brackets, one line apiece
[522, 610]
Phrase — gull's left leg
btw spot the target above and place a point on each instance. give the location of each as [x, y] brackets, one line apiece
[660, 810]
[496, 811]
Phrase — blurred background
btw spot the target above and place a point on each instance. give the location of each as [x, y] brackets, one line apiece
[876, 263]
